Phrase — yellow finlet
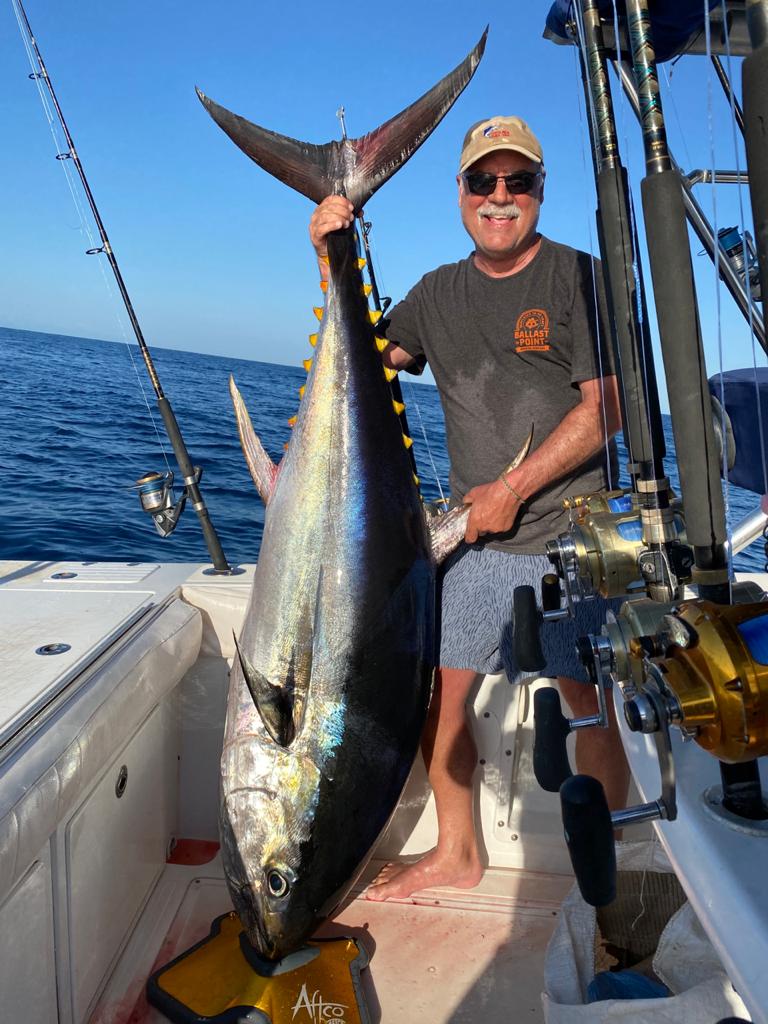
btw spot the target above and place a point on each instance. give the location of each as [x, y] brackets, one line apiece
[390, 374]
[325, 260]
[381, 343]
[416, 480]
[307, 364]
[399, 407]
[318, 311]
[313, 340]
[323, 286]
[407, 441]
[367, 289]
[360, 263]
[302, 389]
[292, 421]
[374, 315]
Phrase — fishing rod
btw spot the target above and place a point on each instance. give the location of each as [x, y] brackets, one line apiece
[679, 328]
[155, 490]
[381, 306]
[754, 77]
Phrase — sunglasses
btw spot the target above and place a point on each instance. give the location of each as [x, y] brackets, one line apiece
[480, 183]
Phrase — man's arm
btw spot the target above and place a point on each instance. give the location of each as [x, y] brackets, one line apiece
[333, 214]
[580, 435]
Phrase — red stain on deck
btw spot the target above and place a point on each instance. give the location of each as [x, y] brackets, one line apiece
[193, 852]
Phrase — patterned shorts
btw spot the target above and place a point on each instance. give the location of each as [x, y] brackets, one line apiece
[476, 615]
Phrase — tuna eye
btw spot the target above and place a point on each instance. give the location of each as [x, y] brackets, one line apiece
[277, 884]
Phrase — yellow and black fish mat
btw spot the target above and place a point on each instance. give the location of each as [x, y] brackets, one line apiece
[222, 980]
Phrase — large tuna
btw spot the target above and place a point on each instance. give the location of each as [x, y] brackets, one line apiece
[332, 681]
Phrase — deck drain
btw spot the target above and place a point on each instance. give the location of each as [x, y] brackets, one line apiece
[54, 649]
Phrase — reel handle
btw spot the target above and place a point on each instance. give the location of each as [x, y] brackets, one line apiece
[526, 640]
[551, 729]
[589, 835]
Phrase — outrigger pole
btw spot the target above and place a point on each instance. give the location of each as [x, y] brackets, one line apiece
[190, 474]
[679, 328]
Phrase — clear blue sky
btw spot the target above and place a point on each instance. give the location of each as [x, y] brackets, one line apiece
[214, 252]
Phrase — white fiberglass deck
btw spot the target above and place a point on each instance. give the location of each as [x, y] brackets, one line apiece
[443, 956]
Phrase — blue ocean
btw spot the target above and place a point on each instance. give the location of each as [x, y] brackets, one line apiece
[79, 425]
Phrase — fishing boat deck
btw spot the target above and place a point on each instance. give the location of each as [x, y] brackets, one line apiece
[443, 955]
[109, 752]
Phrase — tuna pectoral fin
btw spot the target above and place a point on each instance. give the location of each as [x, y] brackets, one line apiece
[273, 703]
[446, 530]
[353, 167]
[262, 468]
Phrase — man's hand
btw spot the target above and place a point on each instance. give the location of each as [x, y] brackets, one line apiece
[494, 510]
[333, 214]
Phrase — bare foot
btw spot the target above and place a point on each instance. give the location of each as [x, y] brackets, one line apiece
[398, 881]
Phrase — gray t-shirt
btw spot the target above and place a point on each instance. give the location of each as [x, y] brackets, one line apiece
[507, 353]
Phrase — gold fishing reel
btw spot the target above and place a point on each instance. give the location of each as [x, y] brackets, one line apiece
[616, 546]
[710, 663]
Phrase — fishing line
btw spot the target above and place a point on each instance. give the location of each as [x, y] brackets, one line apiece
[412, 399]
[718, 303]
[742, 222]
[582, 118]
[63, 157]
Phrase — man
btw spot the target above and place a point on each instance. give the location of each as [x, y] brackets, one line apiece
[515, 334]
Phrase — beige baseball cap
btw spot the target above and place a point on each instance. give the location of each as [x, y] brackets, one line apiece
[499, 133]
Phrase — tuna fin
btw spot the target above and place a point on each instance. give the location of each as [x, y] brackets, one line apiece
[522, 453]
[446, 529]
[352, 167]
[262, 468]
[274, 703]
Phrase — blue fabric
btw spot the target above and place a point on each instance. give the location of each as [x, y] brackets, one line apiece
[755, 635]
[673, 22]
[624, 985]
[742, 392]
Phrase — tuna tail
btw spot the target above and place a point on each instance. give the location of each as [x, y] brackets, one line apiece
[355, 168]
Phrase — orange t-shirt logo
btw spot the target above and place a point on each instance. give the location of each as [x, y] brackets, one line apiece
[532, 331]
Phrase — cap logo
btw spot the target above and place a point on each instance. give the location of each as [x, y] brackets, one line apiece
[495, 131]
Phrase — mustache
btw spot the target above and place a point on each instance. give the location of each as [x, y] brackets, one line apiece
[509, 210]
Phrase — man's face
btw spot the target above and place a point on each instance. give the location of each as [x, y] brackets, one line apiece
[501, 225]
